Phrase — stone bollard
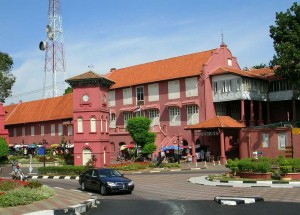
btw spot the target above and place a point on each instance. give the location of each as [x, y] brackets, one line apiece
[205, 165]
[219, 162]
[214, 163]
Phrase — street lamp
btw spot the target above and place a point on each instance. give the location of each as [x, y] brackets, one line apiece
[178, 152]
[44, 145]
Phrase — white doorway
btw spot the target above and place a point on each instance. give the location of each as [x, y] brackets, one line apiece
[86, 155]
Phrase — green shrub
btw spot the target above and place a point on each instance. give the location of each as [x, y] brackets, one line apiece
[61, 170]
[233, 165]
[285, 166]
[25, 195]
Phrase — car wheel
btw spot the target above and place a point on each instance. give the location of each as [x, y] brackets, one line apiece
[129, 192]
[83, 186]
[103, 190]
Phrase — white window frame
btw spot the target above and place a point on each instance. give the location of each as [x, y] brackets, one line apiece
[15, 132]
[282, 140]
[112, 123]
[192, 114]
[32, 131]
[23, 132]
[153, 92]
[191, 87]
[174, 89]
[112, 98]
[42, 130]
[154, 117]
[265, 140]
[174, 116]
[52, 129]
[127, 116]
[80, 125]
[93, 124]
[140, 94]
[60, 129]
[70, 130]
[127, 96]
[229, 62]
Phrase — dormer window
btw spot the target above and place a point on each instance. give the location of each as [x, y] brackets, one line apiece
[229, 62]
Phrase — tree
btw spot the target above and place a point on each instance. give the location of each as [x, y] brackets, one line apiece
[4, 149]
[138, 128]
[7, 80]
[285, 34]
[68, 90]
[260, 66]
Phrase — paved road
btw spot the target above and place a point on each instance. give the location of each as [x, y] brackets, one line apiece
[171, 193]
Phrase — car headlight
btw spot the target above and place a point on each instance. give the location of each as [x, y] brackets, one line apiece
[130, 183]
[111, 184]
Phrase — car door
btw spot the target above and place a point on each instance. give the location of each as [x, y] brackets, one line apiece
[95, 181]
[88, 179]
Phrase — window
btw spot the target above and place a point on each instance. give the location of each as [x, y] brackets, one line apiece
[70, 130]
[220, 109]
[140, 95]
[112, 123]
[15, 132]
[192, 114]
[215, 87]
[235, 112]
[93, 124]
[42, 130]
[229, 62]
[154, 117]
[60, 129]
[174, 116]
[153, 92]
[173, 89]
[127, 96]
[80, 125]
[127, 116]
[112, 98]
[32, 130]
[52, 129]
[265, 140]
[281, 140]
[106, 125]
[23, 131]
[191, 87]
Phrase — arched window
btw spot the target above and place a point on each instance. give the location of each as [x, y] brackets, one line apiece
[79, 125]
[93, 124]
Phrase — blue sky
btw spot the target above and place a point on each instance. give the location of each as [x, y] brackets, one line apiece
[121, 33]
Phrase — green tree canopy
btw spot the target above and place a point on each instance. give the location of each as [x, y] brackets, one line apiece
[68, 90]
[260, 66]
[7, 80]
[4, 149]
[285, 34]
[138, 128]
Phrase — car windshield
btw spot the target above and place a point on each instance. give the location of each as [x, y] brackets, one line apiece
[109, 173]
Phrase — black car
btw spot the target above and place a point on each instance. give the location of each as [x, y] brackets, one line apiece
[105, 180]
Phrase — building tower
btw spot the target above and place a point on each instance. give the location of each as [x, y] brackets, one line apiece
[54, 68]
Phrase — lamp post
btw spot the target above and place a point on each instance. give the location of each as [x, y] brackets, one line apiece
[44, 145]
[178, 152]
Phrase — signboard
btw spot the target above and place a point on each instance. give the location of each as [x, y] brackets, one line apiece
[296, 130]
[209, 133]
[289, 151]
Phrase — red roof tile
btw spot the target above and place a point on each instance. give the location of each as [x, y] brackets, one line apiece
[226, 70]
[216, 122]
[40, 110]
[177, 67]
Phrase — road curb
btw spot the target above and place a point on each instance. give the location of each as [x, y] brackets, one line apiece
[237, 200]
[74, 209]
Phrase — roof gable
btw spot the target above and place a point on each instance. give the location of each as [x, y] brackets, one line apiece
[172, 68]
[216, 122]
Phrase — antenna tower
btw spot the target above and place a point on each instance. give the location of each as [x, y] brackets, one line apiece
[54, 68]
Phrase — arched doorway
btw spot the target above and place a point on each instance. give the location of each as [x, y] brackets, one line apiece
[86, 155]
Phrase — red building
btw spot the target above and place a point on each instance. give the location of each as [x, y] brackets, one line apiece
[185, 97]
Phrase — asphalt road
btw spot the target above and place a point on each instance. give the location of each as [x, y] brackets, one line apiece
[170, 193]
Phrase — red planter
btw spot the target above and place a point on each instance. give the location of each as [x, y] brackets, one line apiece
[293, 175]
[255, 175]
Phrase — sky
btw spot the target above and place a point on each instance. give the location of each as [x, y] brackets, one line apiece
[120, 33]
